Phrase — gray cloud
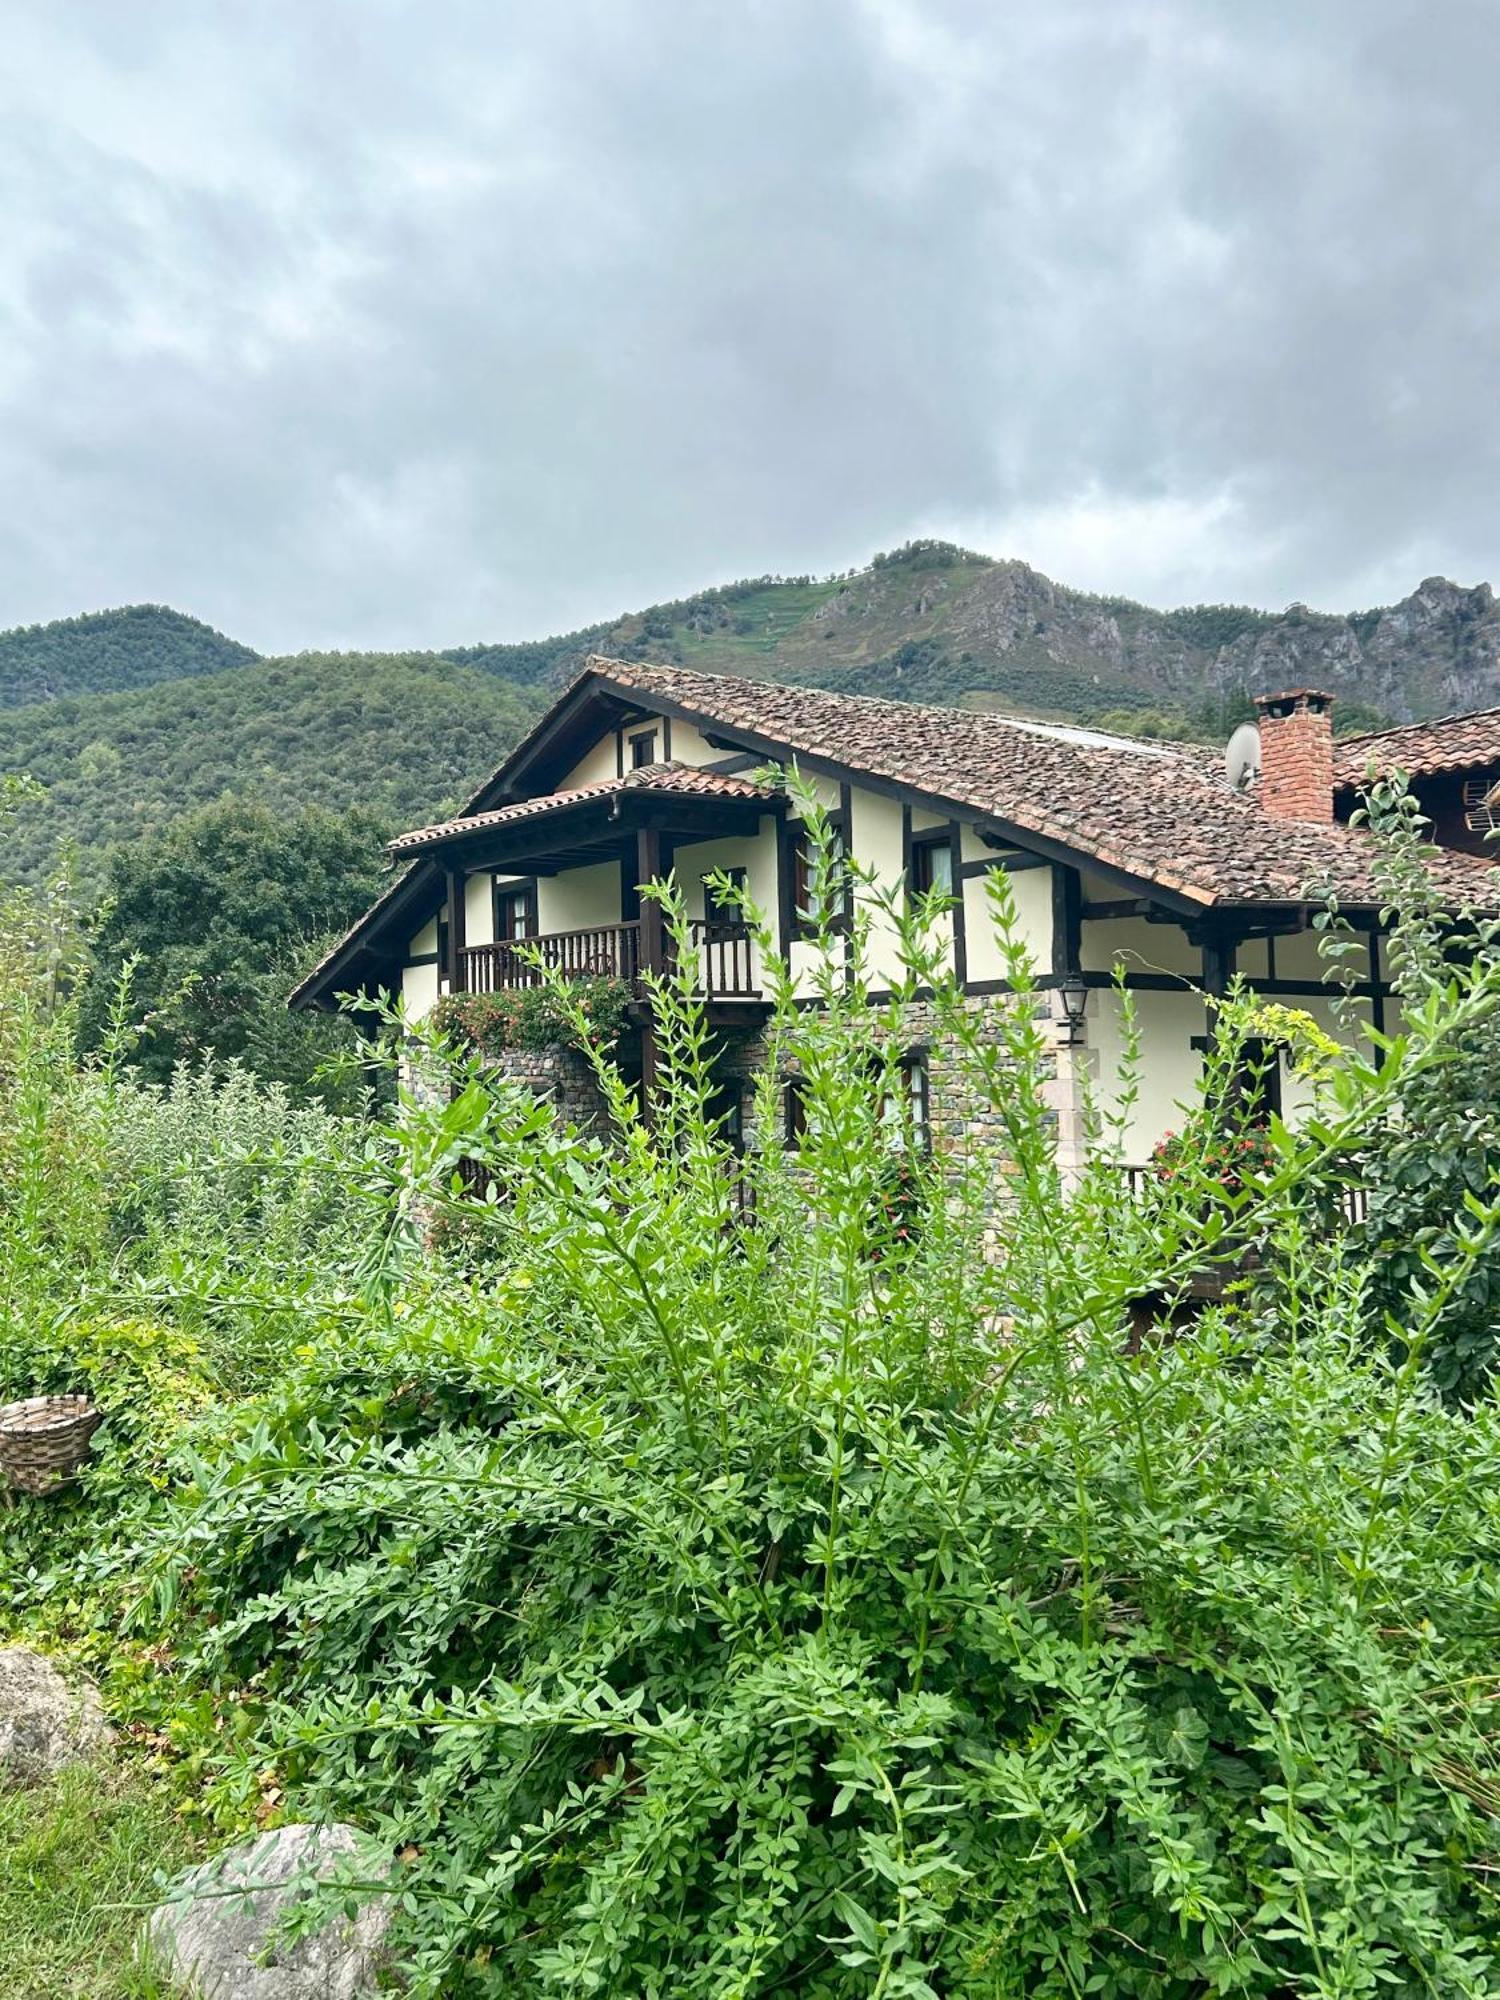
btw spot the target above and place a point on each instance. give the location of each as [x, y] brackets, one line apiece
[383, 323]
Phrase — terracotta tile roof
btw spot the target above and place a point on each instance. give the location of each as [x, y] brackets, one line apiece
[1156, 811]
[1447, 743]
[680, 780]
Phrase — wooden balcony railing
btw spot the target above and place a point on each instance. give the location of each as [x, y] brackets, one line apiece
[725, 962]
[1141, 1182]
[726, 966]
[601, 951]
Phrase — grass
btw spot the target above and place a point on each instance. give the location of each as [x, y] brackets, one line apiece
[78, 1865]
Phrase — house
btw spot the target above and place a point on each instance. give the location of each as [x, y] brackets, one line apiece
[1119, 853]
[1453, 764]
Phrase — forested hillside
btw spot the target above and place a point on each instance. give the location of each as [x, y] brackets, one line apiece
[105, 651]
[190, 715]
[404, 735]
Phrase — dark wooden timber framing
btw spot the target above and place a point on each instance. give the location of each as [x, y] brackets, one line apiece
[788, 832]
[1067, 924]
[648, 868]
[1377, 989]
[374, 952]
[960, 920]
[1219, 951]
[1008, 864]
[845, 823]
[457, 924]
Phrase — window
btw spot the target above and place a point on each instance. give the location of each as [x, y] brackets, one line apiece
[1255, 1088]
[907, 1116]
[718, 907]
[932, 864]
[794, 1102]
[726, 1107]
[643, 750]
[442, 951]
[1482, 803]
[515, 911]
[804, 915]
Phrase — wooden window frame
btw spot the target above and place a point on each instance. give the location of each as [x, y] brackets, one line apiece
[919, 872]
[1258, 1078]
[509, 892]
[715, 912]
[1480, 816]
[636, 739]
[793, 1111]
[804, 922]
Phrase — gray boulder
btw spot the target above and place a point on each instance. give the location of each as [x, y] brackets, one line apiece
[45, 1725]
[215, 1936]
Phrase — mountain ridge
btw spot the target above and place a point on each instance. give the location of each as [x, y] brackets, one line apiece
[197, 716]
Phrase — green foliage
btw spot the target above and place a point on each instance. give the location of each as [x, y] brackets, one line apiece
[215, 918]
[536, 1017]
[699, 1608]
[927, 554]
[106, 651]
[1436, 1148]
[1207, 627]
[400, 736]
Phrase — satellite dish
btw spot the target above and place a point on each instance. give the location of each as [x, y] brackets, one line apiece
[1242, 757]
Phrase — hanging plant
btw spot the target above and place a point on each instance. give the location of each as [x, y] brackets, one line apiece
[535, 1017]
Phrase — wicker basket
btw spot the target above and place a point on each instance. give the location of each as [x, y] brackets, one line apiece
[44, 1440]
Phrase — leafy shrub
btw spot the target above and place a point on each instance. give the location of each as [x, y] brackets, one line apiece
[703, 1610]
[1232, 1156]
[1434, 1150]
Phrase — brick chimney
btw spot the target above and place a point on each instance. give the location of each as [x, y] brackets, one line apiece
[1296, 754]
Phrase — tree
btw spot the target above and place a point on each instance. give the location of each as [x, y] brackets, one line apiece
[222, 910]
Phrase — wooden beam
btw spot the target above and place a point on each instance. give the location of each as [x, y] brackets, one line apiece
[1067, 922]
[648, 868]
[457, 929]
[959, 920]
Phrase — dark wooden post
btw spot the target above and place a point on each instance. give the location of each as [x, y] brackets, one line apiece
[457, 917]
[648, 869]
[1218, 964]
[1067, 922]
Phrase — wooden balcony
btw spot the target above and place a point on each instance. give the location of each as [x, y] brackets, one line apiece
[724, 953]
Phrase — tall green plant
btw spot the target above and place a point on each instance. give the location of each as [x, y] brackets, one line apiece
[700, 1608]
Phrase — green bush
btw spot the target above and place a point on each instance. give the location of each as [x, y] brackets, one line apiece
[537, 1017]
[705, 1609]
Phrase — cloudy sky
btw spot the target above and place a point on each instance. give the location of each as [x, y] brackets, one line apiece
[385, 322]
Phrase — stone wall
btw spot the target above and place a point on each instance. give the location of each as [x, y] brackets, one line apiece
[561, 1077]
[961, 1122]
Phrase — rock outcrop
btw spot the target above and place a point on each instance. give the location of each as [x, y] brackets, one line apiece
[45, 1725]
[217, 1935]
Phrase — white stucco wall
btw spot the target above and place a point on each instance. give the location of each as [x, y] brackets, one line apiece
[875, 842]
[419, 990]
[479, 909]
[602, 759]
[1170, 1065]
[1139, 946]
[1031, 893]
[579, 897]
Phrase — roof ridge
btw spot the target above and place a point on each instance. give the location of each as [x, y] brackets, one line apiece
[1422, 722]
